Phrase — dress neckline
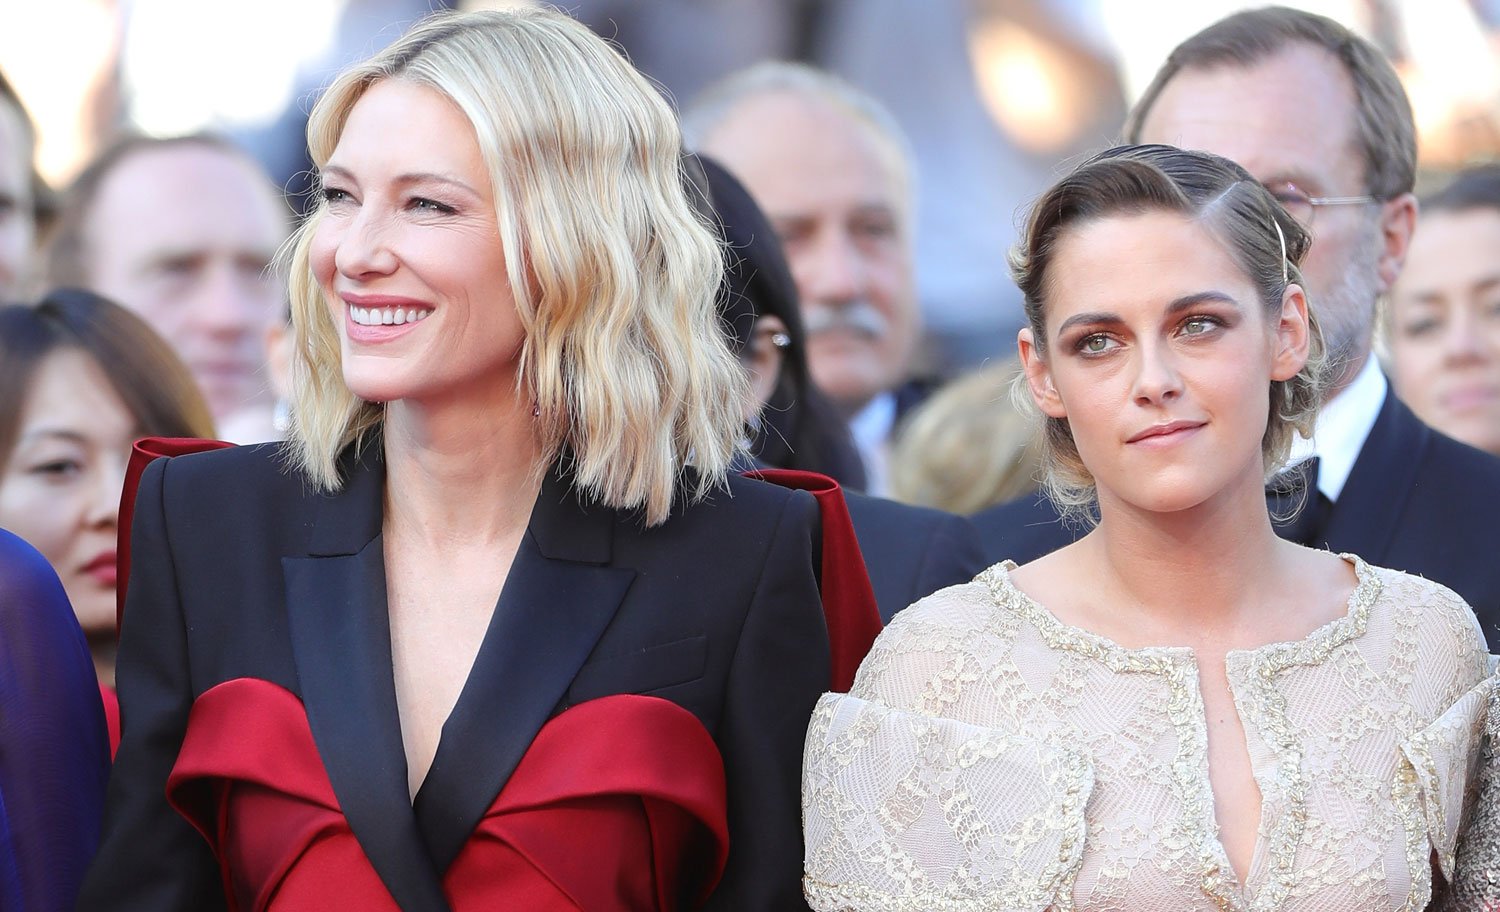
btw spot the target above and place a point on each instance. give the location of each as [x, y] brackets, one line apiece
[1276, 840]
[1309, 649]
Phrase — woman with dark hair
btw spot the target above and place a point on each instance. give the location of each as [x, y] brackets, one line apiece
[1181, 710]
[1443, 313]
[81, 378]
[795, 426]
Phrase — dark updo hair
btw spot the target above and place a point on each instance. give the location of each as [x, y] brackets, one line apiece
[1476, 187]
[1266, 242]
[154, 384]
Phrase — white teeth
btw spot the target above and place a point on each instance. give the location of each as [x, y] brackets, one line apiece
[387, 316]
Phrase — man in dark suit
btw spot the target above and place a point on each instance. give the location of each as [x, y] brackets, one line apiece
[1318, 115]
[832, 171]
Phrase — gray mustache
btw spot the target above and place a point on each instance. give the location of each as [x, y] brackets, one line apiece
[858, 317]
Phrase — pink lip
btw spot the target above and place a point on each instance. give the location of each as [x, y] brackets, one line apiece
[358, 332]
[1469, 397]
[1171, 431]
[103, 568]
[374, 300]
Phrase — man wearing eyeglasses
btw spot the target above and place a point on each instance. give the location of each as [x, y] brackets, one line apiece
[1319, 116]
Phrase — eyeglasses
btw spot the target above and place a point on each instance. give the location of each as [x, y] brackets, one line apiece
[1302, 207]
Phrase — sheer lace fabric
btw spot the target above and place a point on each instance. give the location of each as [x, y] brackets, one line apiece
[991, 757]
[1476, 878]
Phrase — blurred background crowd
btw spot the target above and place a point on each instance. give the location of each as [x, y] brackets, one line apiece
[993, 95]
[154, 153]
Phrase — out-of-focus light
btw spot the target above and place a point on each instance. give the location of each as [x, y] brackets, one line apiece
[1036, 91]
[58, 79]
[190, 64]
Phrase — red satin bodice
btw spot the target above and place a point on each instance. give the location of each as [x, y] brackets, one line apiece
[618, 804]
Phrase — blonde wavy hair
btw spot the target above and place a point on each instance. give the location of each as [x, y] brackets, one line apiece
[612, 273]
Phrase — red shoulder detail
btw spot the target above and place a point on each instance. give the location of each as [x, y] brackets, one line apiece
[848, 600]
[143, 453]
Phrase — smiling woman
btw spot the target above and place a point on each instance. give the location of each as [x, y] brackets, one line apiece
[1181, 710]
[496, 629]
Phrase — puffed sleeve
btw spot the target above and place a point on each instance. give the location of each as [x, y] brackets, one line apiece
[53, 753]
[150, 858]
[907, 807]
[906, 812]
[1475, 883]
[779, 668]
[1442, 760]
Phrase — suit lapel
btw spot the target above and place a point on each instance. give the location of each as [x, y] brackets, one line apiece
[1364, 520]
[341, 642]
[559, 597]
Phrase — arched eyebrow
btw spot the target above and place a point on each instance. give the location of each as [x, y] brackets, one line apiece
[53, 433]
[402, 180]
[1178, 305]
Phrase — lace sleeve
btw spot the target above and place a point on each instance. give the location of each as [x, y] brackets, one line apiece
[1476, 869]
[903, 811]
[54, 757]
[1442, 759]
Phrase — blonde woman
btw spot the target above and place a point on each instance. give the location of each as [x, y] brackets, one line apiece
[1181, 710]
[479, 637]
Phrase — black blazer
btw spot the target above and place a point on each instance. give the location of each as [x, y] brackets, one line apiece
[1415, 501]
[911, 552]
[239, 570]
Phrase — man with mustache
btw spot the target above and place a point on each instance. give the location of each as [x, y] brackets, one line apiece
[831, 169]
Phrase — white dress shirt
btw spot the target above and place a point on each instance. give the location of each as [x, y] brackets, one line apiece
[871, 429]
[1342, 427]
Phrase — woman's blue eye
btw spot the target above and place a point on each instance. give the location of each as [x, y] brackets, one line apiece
[420, 202]
[334, 195]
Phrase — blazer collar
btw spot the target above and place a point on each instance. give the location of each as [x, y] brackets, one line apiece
[560, 595]
[1366, 516]
[345, 521]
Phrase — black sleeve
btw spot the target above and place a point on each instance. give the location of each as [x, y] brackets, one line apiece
[779, 670]
[150, 858]
[54, 752]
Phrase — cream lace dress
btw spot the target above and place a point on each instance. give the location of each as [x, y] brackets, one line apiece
[990, 757]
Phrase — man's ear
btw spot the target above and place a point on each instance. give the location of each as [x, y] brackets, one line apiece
[1293, 334]
[1398, 219]
[1039, 376]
